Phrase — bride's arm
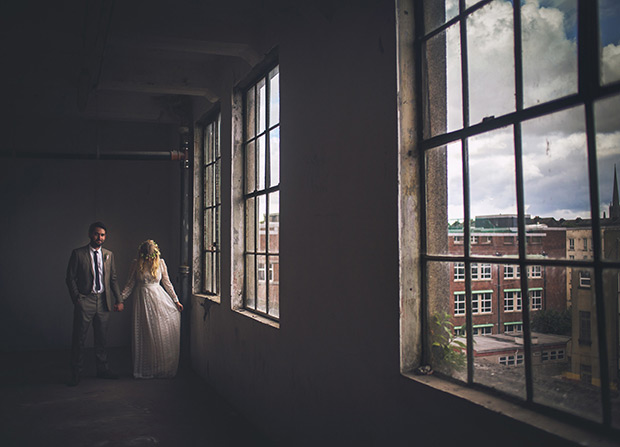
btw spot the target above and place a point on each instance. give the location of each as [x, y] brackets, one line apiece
[165, 282]
[131, 282]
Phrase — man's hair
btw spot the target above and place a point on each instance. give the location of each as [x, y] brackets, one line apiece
[96, 225]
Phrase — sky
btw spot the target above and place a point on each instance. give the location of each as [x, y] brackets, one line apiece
[554, 147]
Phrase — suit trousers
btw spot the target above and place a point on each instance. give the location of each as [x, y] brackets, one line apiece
[90, 308]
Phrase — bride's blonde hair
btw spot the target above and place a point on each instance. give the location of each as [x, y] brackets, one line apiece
[148, 258]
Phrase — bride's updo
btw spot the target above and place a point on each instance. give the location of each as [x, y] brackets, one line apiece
[148, 258]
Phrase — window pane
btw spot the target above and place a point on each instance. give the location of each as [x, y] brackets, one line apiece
[446, 314]
[250, 114]
[274, 97]
[250, 225]
[436, 212]
[436, 13]
[608, 153]
[609, 15]
[261, 293]
[611, 290]
[274, 288]
[491, 61]
[570, 382]
[209, 185]
[250, 281]
[262, 105]
[492, 174]
[261, 223]
[274, 157]
[549, 50]
[274, 222]
[250, 167]
[261, 161]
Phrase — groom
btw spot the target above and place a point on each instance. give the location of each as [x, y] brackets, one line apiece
[91, 279]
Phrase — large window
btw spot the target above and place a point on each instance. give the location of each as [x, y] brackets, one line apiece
[498, 126]
[261, 194]
[212, 211]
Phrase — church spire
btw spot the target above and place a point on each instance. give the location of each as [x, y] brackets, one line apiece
[614, 206]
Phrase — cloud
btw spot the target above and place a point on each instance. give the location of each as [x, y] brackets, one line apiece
[554, 147]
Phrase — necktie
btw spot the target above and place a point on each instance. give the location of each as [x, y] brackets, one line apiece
[96, 254]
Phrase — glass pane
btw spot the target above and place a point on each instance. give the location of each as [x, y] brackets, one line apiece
[436, 210]
[208, 146]
[217, 182]
[250, 167]
[435, 95]
[549, 50]
[608, 156]
[261, 223]
[492, 183]
[611, 290]
[262, 105]
[218, 126]
[261, 293]
[274, 97]
[566, 367]
[274, 288]
[261, 160]
[209, 192]
[208, 278]
[491, 61]
[555, 177]
[250, 281]
[250, 227]
[609, 16]
[437, 13]
[250, 114]
[274, 156]
[209, 230]
[446, 313]
[274, 222]
[454, 78]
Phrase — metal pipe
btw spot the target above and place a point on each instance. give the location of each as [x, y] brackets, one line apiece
[184, 267]
[117, 155]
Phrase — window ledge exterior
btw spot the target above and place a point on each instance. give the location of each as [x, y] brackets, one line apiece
[564, 430]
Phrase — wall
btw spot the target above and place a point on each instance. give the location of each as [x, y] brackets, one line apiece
[329, 375]
[47, 206]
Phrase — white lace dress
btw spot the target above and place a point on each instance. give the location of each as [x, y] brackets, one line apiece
[156, 324]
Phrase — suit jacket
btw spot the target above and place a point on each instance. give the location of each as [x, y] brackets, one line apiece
[80, 275]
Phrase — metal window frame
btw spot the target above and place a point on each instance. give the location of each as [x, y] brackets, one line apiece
[589, 91]
[262, 74]
[210, 283]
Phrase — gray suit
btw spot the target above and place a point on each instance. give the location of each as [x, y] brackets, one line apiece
[89, 306]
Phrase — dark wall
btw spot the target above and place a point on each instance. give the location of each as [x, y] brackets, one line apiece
[47, 206]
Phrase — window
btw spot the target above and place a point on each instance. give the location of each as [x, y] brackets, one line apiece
[571, 244]
[473, 143]
[585, 244]
[261, 194]
[509, 240]
[481, 271]
[511, 328]
[535, 299]
[483, 330]
[512, 271]
[584, 279]
[459, 303]
[511, 360]
[212, 208]
[459, 271]
[535, 271]
[552, 355]
[481, 302]
[474, 239]
[458, 240]
[512, 300]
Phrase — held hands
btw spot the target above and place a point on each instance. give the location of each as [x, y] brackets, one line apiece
[118, 307]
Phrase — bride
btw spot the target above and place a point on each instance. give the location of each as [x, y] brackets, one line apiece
[156, 315]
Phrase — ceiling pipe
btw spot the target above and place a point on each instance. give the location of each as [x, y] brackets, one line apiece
[120, 155]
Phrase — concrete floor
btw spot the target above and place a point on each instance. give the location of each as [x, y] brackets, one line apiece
[37, 408]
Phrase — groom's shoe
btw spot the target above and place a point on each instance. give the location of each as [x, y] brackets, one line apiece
[107, 374]
[75, 380]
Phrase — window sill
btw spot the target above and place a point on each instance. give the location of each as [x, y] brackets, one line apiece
[564, 430]
[259, 318]
[215, 298]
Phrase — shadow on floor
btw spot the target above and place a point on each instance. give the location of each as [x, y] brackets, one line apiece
[38, 408]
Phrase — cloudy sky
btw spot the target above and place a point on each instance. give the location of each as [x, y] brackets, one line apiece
[554, 147]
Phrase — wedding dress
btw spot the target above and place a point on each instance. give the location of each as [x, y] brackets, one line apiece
[156, 323]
